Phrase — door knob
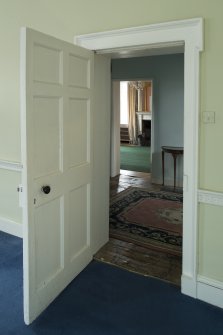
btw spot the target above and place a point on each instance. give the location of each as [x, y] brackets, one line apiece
[46, 189]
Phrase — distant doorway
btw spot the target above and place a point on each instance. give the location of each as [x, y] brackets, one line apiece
[135, 125]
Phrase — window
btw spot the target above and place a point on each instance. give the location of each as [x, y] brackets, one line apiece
[124, 119]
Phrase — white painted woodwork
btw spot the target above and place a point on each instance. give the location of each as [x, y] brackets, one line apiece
[190, 34]
[11, 227]
[10, 165]
[210, 290]
[115, 129]
[101, 152]
[57, 112]
[211, 198]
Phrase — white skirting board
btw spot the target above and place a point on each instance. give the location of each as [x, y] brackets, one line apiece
[188, 286]
[11, 227]
[210, 291]
[205, 289]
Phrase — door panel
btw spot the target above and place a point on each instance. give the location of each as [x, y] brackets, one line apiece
[47, 63]
[79, 232]
[47, 142]
[48, 241]
[79, 127]
[58, 140]
[79, 71]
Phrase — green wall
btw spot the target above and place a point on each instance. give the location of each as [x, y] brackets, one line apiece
[66, 18]
[210, 241]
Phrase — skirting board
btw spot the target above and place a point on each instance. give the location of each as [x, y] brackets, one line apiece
[11, 227]
[205, 289]
[188, 286]
[210, 291]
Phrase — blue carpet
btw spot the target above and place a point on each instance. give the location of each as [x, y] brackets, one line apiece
[103, 300]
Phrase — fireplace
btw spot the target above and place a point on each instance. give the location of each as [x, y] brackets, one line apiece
[144, 128]
[145, 138]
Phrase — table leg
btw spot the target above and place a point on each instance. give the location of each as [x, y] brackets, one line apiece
[163, 165]
[174, 160]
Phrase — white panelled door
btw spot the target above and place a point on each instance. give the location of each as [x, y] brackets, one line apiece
[57, 94]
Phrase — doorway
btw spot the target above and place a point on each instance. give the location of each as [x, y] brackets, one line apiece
[135, 125]
[187, 33]
[131, 179]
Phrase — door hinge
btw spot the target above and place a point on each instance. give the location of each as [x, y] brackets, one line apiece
[21, 195]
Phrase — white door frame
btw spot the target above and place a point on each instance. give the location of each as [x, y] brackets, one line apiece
[190, 32]
[115, 129]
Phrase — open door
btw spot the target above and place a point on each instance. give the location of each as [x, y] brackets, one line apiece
[64, 149]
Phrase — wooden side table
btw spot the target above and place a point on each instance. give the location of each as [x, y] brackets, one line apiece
[174, 151]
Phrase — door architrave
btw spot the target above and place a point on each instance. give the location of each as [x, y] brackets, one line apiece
[167, 35]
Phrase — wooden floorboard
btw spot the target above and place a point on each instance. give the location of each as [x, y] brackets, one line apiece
[141, 260]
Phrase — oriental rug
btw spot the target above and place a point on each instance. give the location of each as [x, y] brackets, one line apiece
[149, 219]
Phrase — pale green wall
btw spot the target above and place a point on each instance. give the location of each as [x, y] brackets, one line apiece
[66, 18]
[210, 241]
[9, 197]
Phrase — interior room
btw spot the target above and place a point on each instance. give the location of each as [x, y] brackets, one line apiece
[135, 125]
[61, 67]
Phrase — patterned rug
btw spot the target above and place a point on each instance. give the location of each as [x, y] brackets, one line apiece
[149, 219]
